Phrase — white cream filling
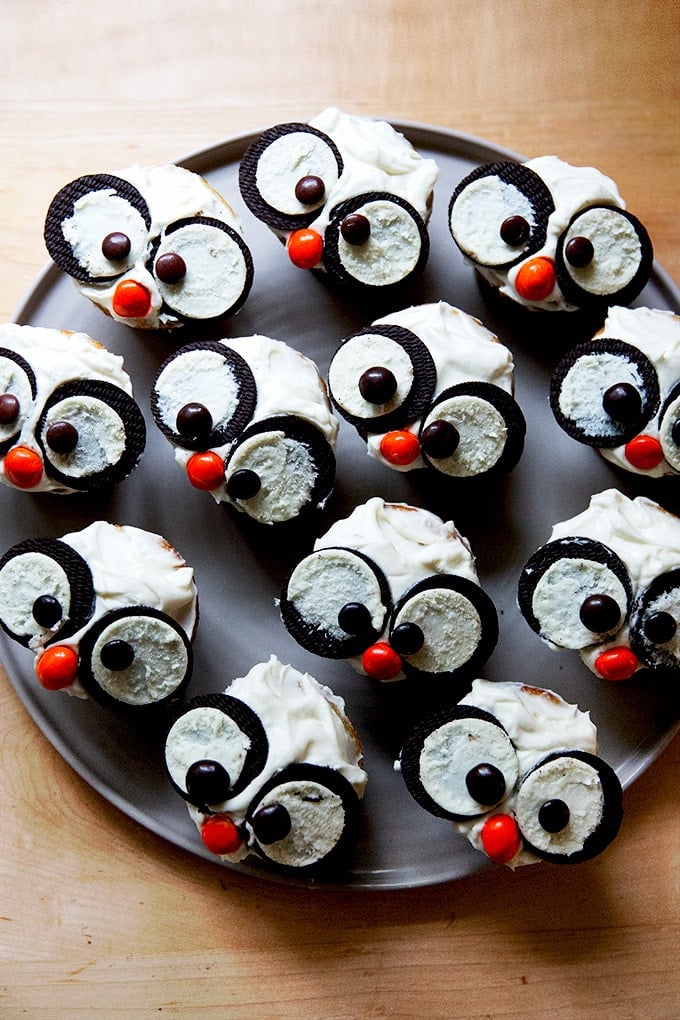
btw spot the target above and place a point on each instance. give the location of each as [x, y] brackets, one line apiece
[575, 783]
[159, 665]
[559, 594]
[391, 251]
[216, 271]
[198, 376]
[482, 431]
[94, 217]
[317, 818]
[322, 584]
[585, 383]
[205, 733]
[480, 235]
[617, 251]
[25, 578]
[101, 436]
[451, 625]
[286, 471]
[285, 161]
[356, 356]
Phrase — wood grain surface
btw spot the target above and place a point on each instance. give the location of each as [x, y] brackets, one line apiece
[99, 917]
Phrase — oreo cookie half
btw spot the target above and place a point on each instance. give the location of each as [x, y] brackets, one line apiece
[655, 624]
[18, 383]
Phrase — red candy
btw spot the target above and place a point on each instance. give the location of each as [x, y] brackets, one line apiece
[57, 667]
[205, 470]
[500, 838]
[131, 300]
[400, 448]
[220, 834]
[381, 661]
[23, 467]
[644, 452]
[536, 279]
[616, 663]
[305, 248]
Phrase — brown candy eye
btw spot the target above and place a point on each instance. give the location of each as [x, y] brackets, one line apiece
[355, 228]
[622, 403]
[310, 189]
[599, 613]
[354, 618]
[9, 408]
[485, 784]
[553, 816]
[244, 484]
[377, 385]
[515, 231]
[660, 628]
[117, 655]
[194, 420]
[170, 268]
[440, 439]
[271, 824]
[116, 246]
[62, 437]
[579, 252]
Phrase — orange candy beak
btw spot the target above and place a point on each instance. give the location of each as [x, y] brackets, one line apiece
[500, 838]
[381, 662]
[535, 280]
[131, 300]
[305, 248]
[400, 447]
[644, 452]
[205, 470]
[57, 667]
[616, 663]
[23, 467]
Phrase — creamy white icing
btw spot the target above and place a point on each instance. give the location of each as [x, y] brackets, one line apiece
[55, 357]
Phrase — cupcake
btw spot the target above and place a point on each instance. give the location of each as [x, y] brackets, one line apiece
[153, 247]
[271, 767]
[607, 584]
[68, 420]
[430, 387]
[349, 197]
[251, 423]
[550, 236]
[620, 392]
[516, 769]
[392, 589]
[108, 612]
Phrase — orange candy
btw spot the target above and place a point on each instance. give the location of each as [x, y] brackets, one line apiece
[500, 838]
[205, 470]
[644, 452]
[616, 663]
[220, 834]
[536, 279]
[57, 667]
[23, 467]
[305, 248]
[381, 662]
[131, 300]
[400, 447]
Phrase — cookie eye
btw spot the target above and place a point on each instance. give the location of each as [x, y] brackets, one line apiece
[135, 658]
[285, 177]
[335, 603]
[203, 268]
[214, 750]
[655, 624]
[498, 214]
[91, 434]
[459, 763]
[203, 396]
[669, 428]
[376, 241]
[281, 467]
[574, 592]
[569, 807]
[473, 429]
[604, 392]
[382, 378]
[304, 817]
[604, 255]
[46, 589]
[18, 388]
[443, 626]
[97, 227]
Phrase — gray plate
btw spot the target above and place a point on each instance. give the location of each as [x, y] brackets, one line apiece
[240, 568]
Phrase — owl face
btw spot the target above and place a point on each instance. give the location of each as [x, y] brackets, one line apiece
[430, 387]
[550, 236]
[392, 589]
[348, 196]
[272, 767]
[154, 247]
[251, 423]
[109, 612]
[608, 585]
[479, 764]
[68, 421]
[620, 392]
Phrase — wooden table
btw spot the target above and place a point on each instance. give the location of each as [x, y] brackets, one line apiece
[99, 917]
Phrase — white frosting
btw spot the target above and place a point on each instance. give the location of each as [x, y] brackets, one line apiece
[171, 194]
[304, 722]
[55, 357]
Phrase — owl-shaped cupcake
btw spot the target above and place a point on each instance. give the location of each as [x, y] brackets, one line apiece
[108, 612]
[516, 769]
[550, 236]
[607, 584]
[272, 767]
[251, 423]
[349, 196]
[620, 391]
[153, 247]
[430, 387]
[68, 420]
[393, 589]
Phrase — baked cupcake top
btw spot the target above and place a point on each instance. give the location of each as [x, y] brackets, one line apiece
[620, 391]
[109, 612]
[393, 589]
[607, 583]
[430, 386]
[271, 767]
[550, 236]
[153, 247]
[68, 420]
